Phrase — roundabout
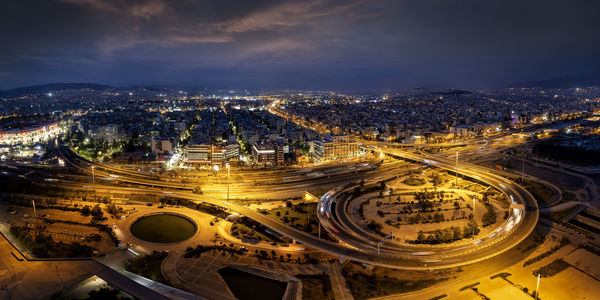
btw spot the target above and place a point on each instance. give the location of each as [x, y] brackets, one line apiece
[163, 228]
[518, 224]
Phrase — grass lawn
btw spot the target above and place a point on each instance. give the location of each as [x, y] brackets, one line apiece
[297, 216]
[558, 216]
[320, 192]
[535, 239]
[563, 242]
[148, 266]
[316, 287]
[552, 268]
[243, 231]
[414, 181]
[365, 284]
[43, 246]
[542, 193]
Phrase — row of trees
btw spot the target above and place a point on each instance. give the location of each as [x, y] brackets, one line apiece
[432, 218]
[174, 201]
[428, 195]
[447, 235]
[44, 246]
[414, 181]
[95, 211]
[375, 226]
[114, 209]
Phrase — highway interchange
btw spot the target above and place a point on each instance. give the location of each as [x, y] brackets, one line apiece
[354, 243]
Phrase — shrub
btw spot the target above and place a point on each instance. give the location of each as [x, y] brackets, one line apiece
[489, 217]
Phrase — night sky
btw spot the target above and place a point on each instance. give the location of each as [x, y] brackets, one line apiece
[377, 44]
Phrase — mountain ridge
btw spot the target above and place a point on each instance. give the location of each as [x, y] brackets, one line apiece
[50, 87]
[564, 82]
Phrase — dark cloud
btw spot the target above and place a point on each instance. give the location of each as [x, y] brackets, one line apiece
[297, 44]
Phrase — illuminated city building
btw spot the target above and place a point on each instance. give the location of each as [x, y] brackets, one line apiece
[268, 154]
[162, 145]
[210, 154]
[339, 147]
[30, 133]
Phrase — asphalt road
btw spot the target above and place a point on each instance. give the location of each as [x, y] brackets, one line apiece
[517, 227]
[512, 234]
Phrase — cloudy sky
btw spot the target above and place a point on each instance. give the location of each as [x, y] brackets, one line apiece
[298, 44]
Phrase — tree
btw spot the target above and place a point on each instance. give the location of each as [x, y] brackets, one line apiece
[97, 212]
[198, 190]
[446, 235]
[373, 225]
[114, 210]
[437, 180]
[425, 204]
[85, 210]
[421, 237]
[489, 217]
[470, 228]
[431, 239]
[455, 233]
[415, 219]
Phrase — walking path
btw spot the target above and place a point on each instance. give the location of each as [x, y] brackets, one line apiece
[200, 274]
[338, 283]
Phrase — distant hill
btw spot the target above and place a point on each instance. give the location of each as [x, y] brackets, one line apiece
[46, 88]
[564, 82]
[139, 88]
[453, 91]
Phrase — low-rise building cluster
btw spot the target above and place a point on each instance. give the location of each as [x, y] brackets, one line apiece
[419, 116]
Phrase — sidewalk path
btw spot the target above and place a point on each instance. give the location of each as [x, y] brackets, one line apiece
[338, 283]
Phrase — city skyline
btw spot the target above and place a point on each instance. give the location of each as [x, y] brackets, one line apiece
[316, 150]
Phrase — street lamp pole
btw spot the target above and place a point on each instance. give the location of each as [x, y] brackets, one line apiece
[537, 288]
[227, 166]
[456, 171]
[474, 216]
[319, 228]
[94, 181]
[35, 216]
